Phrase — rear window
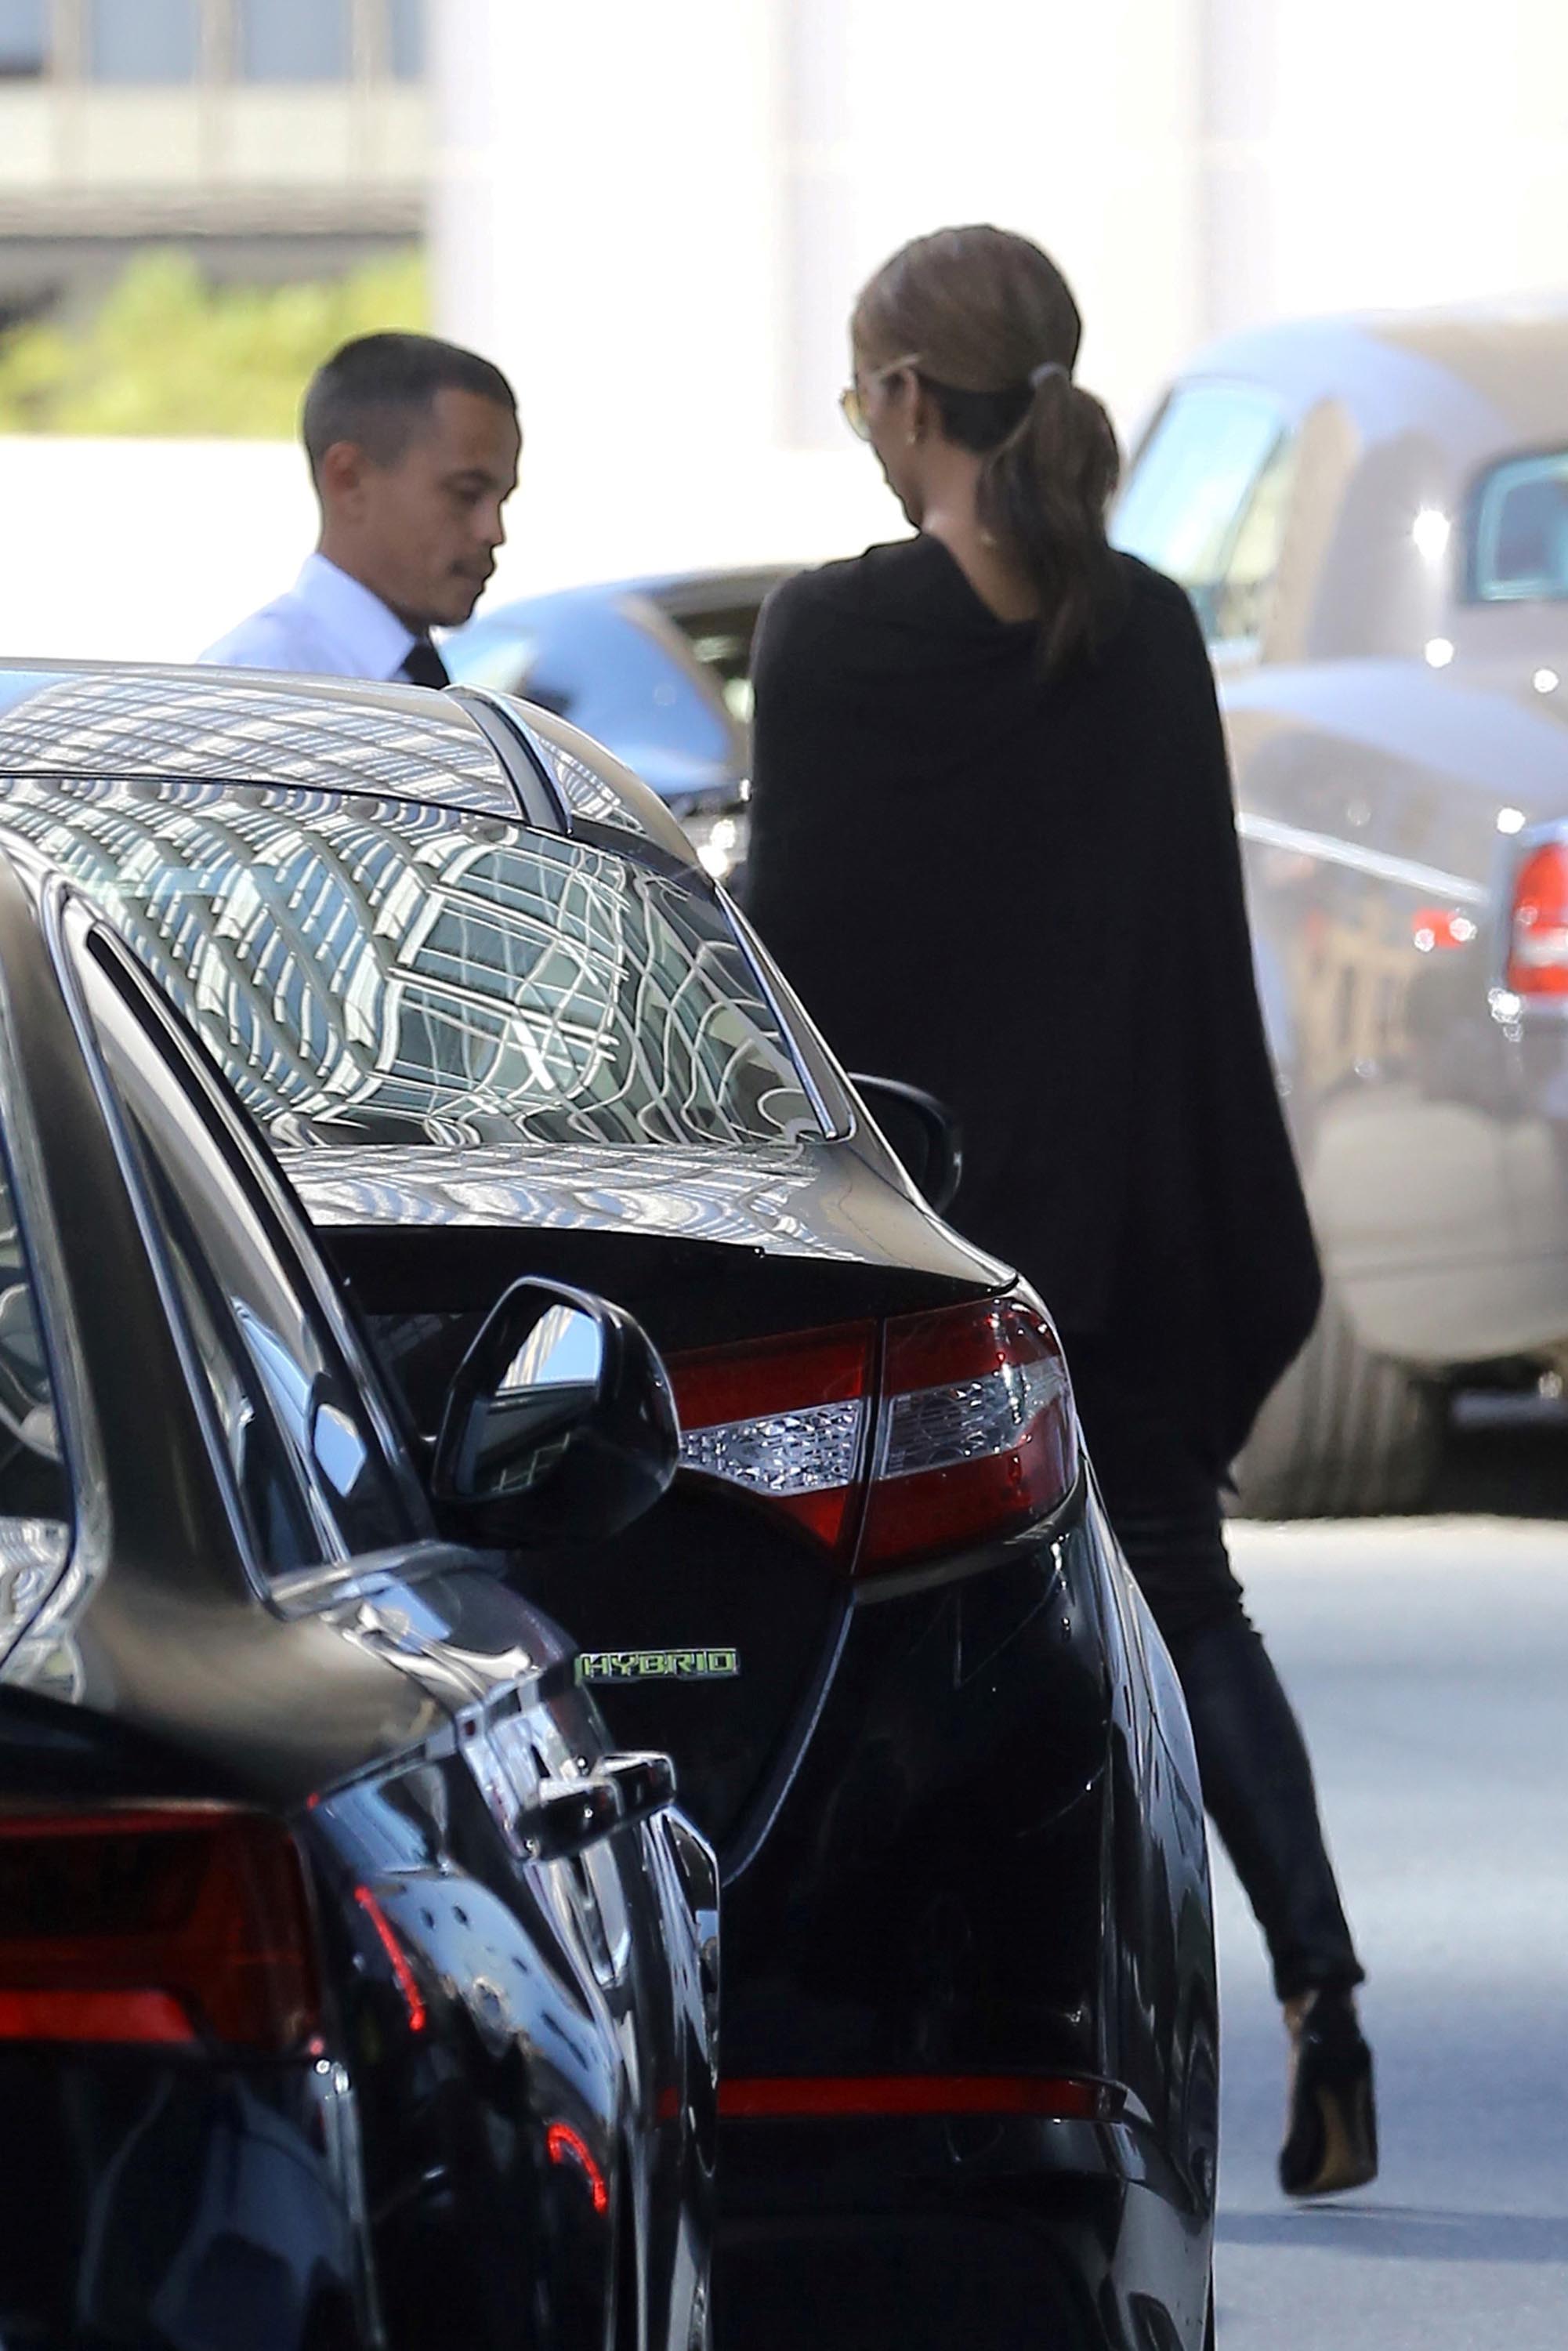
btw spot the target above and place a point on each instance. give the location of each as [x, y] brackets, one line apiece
[1518, 534]
[367, 971]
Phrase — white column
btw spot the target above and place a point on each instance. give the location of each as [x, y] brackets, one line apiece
[1364, 152]
[605, 224]
[657, 218]
[1078, 126]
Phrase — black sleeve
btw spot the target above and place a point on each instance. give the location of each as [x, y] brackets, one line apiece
[795, 745]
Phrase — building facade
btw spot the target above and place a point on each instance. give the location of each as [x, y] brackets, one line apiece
[656, 215]
[659, 216]
[275, 137]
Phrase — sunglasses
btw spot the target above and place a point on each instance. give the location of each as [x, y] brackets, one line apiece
[852, 399]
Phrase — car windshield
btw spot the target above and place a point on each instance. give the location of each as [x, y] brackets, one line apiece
[368, 970]
[1518, 540]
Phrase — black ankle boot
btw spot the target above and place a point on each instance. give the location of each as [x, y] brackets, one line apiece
[1331, 2123]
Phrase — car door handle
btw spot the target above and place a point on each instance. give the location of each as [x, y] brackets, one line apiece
[566, 1816]
[643, 1784]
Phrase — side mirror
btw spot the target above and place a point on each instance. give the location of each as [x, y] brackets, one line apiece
[558, 1426]
[922, 1132]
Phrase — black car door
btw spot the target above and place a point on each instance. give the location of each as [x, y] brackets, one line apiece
[524, 2118]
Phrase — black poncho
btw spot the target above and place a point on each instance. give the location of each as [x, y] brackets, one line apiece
[1027, 897]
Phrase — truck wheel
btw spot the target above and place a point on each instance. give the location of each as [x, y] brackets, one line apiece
[1347, 1434]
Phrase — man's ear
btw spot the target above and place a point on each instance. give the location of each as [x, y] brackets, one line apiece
[340, 476]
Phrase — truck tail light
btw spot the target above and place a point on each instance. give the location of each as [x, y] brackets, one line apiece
[178, 1924]
[1538, 929]
[938, 1434]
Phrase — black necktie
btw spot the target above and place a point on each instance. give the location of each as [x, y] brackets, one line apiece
[423, 666]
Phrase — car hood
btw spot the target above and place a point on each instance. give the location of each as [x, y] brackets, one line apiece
[810, 1200]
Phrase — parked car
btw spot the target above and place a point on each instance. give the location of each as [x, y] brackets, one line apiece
[1371, 517]
[498, 1022]
[354, 1991]
[659, 671]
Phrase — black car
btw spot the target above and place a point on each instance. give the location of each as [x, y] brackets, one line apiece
[498, 1023]
[354, 1994]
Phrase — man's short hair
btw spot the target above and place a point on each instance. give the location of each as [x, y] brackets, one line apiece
[376, 391]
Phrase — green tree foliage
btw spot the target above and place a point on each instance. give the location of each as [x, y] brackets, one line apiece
[167, 353]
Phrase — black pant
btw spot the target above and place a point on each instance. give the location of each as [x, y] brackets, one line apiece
[1257, 1778]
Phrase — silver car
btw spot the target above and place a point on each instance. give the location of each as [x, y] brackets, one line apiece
[1371, 517]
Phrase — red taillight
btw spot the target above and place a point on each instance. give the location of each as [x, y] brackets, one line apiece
[976, 1434]
[1538, 936]
[785, 1421]
[174, 1924]
[963, 1436]
[815, 2097]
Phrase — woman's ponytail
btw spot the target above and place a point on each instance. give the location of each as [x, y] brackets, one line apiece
[1043, 491]
[995, 331]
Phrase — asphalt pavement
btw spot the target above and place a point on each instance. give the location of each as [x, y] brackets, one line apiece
[1429, 1661]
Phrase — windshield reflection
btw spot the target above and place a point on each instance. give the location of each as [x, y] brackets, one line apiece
[369, 971]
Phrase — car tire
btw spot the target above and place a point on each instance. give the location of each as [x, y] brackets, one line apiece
[1347, 1434]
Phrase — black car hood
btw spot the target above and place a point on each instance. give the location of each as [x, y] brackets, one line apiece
[808, 1200]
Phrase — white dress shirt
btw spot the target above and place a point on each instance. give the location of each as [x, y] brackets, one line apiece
[328, 625]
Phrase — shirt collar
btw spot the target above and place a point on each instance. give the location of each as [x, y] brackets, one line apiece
[368, 629]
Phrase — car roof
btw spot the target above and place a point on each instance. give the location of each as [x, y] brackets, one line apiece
[695, 592]
[1480, 376]
[486, 753]
[147, 720]
[1516, 358]
[678, 593]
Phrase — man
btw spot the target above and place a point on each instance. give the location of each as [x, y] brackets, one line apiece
[414, 448]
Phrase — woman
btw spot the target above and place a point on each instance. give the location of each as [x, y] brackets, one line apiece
[993, 845]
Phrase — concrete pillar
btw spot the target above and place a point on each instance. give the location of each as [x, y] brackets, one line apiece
[1368, 152]
[606, 223]
[657, 218]
[1077, 126]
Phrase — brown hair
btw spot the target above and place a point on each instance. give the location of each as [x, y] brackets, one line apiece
[993, 331]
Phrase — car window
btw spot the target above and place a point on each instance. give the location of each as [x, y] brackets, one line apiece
[1206, 503]
[36, 1513]
[494, 653]
[312, 1481]
[367, 971]
[614, 665]
[721, 640]
[1519, 532]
